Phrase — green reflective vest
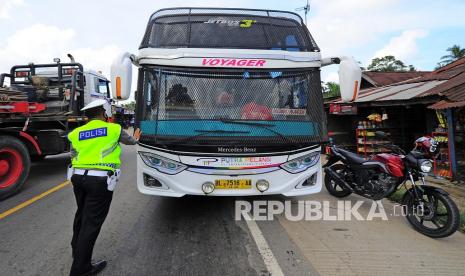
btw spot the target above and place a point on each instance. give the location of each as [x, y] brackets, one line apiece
[97, 146]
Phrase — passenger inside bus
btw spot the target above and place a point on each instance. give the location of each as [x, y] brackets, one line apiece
[254, 111]
[249, 108]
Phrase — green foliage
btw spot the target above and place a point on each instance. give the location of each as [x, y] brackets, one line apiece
[331, 90]
[130, 106]
[397, 196]
[389, 64]
[455, 53]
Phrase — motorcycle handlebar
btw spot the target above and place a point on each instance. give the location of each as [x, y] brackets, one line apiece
[397, 149]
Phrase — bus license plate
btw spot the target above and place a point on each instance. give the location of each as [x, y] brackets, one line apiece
[233, 184]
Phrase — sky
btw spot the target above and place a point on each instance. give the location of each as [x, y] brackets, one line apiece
[416, 32]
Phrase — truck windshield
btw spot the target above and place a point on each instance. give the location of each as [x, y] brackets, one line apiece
[283, 106]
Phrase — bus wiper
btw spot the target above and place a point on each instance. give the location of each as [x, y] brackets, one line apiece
[230, 121]
[263, 126]
[206, 132]
[220, 131]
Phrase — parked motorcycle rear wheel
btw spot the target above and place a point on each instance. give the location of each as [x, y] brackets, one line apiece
[332, 186]
[440, 216]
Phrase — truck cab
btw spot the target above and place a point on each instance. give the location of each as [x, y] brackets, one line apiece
[39, 107]
[97, 86]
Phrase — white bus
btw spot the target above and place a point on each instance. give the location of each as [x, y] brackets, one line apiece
[229, 102]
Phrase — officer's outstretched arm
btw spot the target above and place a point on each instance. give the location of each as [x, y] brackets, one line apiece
[128, 139]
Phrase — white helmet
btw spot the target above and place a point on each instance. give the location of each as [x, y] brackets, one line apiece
[99, 103]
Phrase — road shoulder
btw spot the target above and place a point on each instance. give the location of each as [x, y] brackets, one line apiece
[373, 247]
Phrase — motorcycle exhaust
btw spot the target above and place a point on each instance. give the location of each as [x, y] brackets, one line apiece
[337, 178]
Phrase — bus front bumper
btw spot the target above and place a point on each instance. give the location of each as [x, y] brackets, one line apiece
[190, 183]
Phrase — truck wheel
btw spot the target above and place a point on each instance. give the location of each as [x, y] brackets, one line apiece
[14, 165]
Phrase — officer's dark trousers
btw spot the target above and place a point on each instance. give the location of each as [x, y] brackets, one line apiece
[93, 202]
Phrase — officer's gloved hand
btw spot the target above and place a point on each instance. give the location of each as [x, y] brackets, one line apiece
[137, 134]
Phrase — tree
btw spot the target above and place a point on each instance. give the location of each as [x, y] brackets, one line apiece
[331, 90]
[455, 53]
[412, 68]
[389, 64]
[130, 106]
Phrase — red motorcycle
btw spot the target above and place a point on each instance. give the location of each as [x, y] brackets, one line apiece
[429, 209]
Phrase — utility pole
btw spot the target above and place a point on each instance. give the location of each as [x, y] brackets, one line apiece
[306, 9]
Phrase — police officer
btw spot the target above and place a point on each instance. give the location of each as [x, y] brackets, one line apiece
[94, 174]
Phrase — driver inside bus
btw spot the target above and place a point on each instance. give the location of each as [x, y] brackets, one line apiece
[179, 104]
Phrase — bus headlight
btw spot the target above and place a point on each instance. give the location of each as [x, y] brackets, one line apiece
[426, 166]
[302, 163]
[161, 164]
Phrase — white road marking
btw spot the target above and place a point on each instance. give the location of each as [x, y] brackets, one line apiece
[267, 255]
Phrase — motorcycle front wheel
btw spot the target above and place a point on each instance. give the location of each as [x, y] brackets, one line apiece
[439, 216]
[332, 186]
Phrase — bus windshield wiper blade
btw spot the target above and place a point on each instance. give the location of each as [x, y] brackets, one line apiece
[230, 121]
[219, 131]
[206, 132]
[263, 126]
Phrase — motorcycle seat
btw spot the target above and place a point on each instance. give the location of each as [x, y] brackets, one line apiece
[351, 157]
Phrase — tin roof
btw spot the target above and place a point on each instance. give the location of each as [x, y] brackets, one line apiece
[446, 104]
[386, 78]
[454, 89]
[397, 92]
[447, 82]
[454, 93]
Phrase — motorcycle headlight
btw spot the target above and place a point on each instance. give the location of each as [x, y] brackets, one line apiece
[162, 164]
[302, 163]
[426, 166]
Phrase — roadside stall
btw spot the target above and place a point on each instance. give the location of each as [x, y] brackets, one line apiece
[450, 133]
[402, 123]
[451, 117]
[432, 103]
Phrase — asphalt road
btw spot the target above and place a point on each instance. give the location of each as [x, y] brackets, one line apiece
[143, 235]
[146, 235]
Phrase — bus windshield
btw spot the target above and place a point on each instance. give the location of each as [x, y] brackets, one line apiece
[232, 29]
[202, 104]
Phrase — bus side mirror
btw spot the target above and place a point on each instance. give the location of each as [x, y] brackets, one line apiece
[350, 76]
[121, 76]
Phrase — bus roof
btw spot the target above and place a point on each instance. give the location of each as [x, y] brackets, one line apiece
[228, 29]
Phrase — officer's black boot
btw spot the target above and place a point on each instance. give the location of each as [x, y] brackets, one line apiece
[97, 267]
